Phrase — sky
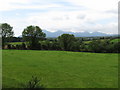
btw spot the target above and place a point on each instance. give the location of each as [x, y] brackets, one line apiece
[65, 15]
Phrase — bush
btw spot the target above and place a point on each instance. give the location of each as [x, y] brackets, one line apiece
[36, 46]
[104, 46]
[23, 46]
[33, 83]
[9, 46]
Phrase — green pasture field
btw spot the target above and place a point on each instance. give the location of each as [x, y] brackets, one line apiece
[60, 69]
[115, 40]
[86, 42]
[16, 43]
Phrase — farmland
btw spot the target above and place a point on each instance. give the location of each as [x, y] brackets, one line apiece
[60, 69]
[86, 42]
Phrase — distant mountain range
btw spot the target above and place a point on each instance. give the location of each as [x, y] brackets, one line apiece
[77, 34]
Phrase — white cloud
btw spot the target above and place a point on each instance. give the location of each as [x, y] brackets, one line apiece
[98, 5]
[8, 5]
[59, 19]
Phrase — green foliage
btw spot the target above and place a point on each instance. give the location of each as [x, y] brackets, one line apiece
[60, 69]
[99, 46]
[6, 32]
[95, 46]
[33, 34]
[117, 47]
[21, 46]
[33, 39]
[66, 41]
[105, 46]
[33, 83]
[75, 46]
[50, 45]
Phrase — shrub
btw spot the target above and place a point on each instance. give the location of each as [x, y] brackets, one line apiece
[33, 83]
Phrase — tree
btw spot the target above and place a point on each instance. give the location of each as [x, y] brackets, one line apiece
[32, 35]
[75, 46]
[96, 46]
[117, 47]
[6, 32]
[101, 46]
[66, 41]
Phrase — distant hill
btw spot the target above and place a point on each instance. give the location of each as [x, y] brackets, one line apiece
[77, 34]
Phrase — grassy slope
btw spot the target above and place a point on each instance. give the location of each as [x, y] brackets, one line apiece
[86, 42]
[115, 40]
[60, 69]
[15, 43]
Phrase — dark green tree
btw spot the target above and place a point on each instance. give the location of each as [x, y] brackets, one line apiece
[5, 32]
[116, 47]
[66, 41]
[100, 46]
[32, 35]
[95, 46]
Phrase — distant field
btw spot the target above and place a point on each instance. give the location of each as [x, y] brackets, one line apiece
[60, 69]
[115, 40]
[15, 43]
[86, 42]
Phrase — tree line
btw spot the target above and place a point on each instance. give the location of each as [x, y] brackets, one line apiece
[33, 38]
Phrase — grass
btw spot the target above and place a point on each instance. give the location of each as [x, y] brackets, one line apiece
[60, 69]
[86, 42]
[16, 43]
[115, 40]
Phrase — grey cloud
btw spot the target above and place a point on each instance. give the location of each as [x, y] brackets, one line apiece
[66, 17]
[57, 18]
[81, 16]
[112, 11]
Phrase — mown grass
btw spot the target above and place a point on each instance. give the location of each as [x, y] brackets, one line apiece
[60, 69]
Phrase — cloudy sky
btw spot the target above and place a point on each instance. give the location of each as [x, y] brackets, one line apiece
[66, 15]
